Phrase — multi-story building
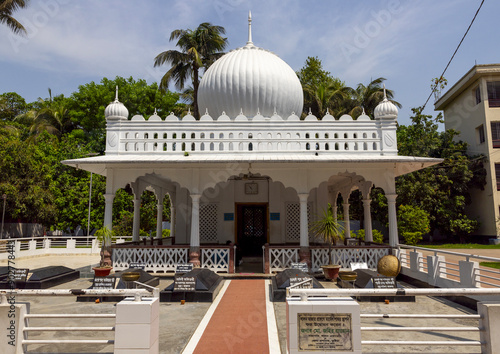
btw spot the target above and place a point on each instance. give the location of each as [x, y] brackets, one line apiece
[472, 107]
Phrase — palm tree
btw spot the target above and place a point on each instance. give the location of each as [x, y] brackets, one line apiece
[7, 8]
[199, 49]
[368, 97]
[52, 117]
[325, 96]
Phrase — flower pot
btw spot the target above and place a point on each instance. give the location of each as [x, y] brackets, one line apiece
[101, 272]
[331, 271]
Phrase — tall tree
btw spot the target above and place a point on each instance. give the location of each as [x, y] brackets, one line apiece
[7, 9]
[199, 49]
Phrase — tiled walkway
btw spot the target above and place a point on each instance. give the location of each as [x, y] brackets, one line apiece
[239, 323]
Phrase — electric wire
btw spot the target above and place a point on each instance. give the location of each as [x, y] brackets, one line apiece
[453, 56]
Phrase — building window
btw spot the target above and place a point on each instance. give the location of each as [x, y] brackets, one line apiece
[477, 93]
[494, 94]
[480, 134]
[497, 173]
[495, 134]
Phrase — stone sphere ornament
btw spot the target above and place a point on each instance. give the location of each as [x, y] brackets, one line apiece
[390, 266]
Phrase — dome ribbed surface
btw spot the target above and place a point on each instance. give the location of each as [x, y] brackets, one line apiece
[386, 109]
[116, 109]
[249, 79]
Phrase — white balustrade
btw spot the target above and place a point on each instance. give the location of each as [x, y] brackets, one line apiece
[345, 256]
[281, 258]
[215, 259]
[282, 137]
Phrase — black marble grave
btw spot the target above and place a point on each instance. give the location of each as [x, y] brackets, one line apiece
[369, 279]
[41, 278]
[282, 280]
[144, 278]
[198, 285]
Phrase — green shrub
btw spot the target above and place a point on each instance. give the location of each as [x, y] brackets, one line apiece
[378, 237]
[413, 223]
[143, 233]
[412, 238]
[165, 233]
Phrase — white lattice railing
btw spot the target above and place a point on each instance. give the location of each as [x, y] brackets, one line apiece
[281, 258]
[155, 259]
[345, 255]
[165, 259]
[216, 259]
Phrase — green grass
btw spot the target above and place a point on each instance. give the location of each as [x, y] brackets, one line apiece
[495, 265]
[462, 246]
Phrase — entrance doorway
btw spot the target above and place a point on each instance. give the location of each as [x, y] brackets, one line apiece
[251, 228]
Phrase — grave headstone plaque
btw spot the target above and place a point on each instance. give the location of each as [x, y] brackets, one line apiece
[298, 280]
[384, 282]
[103, 283]
[185, 284]
[183, 268]
[19, 274]
[324, 332]
[301, 266]
[137, 265]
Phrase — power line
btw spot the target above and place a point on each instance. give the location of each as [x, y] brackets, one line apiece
[453, 56]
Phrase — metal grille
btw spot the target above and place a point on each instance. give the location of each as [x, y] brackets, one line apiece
[292, 227]
[253, 222]
[208, 223]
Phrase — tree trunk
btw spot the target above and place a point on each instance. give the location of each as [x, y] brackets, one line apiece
[196, 84]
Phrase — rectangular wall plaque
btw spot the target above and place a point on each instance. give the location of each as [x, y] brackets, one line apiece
[137, 265]
[228, 216]
[183, 268]
[274, 216]
[324, 331]
[301, 266]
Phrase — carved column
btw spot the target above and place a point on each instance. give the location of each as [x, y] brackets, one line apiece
[159, 217]
[347, 224]
[304, 253]
[194, 254]
[108, 210]
[368, 220]
[137, 219]
[393, 221]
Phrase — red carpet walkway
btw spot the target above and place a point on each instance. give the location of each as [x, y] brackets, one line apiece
[239, 324]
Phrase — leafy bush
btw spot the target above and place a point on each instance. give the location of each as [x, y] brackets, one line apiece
[378, 237]
[413, 223]
[165, 233]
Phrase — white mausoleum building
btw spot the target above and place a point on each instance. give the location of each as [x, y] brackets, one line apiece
[250, 171]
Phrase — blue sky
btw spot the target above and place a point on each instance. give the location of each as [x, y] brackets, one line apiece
[408, 42]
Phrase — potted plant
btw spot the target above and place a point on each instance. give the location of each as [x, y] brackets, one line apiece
[328, 230]
[104, 235]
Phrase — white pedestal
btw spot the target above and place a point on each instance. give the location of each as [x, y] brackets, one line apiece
[323, 326]
[137, 326]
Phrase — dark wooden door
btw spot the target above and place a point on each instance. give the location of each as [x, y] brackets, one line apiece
[252, 229]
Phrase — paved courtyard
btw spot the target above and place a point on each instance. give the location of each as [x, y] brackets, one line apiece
[178, 322]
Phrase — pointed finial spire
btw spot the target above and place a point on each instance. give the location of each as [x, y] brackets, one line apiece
[116, 96]
[363, 111]
[385, 94]
[155, 112]
[249, 27]
[189, 110]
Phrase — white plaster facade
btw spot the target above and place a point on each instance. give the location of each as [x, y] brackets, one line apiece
[279, 170]
[471, 108]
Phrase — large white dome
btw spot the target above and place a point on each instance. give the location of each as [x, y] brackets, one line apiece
[250, 79]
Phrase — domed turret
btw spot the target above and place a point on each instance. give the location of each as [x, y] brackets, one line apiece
[250, 79]
[386, 109]
[116, 109]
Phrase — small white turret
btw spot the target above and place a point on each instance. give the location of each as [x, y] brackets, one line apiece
[116, 109]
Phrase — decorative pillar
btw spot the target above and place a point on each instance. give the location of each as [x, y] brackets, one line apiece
[393, 220]
[159, 217]
[304, 255]
[137, 220]
[347, 224]
[194, 254]
[108, 210]
[172, 219]
[368, 220]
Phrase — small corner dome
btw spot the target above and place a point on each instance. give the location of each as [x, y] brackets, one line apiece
[386, 109]
[116, 109]
[251, 79]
